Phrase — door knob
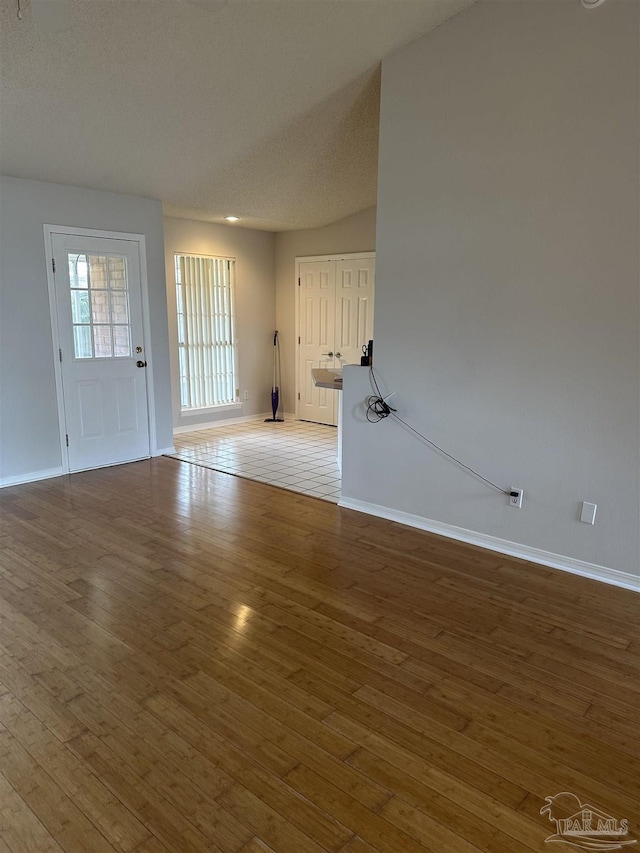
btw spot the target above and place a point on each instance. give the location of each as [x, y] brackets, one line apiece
[330, 354]
[338, 355]
[141, 363]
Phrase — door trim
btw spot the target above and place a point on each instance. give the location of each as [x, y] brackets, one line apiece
[305, 259]
[140, 239]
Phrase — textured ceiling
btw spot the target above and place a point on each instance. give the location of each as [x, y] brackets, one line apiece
[267, 109]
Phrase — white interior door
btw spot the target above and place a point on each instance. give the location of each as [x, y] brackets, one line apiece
[100, 332]
[355, 284]
[335, 320]
[317, 319]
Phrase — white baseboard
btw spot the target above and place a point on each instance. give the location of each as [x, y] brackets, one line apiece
[164, 451]
[219, 423]
[48, 474]
[502, 546]
[227, 422]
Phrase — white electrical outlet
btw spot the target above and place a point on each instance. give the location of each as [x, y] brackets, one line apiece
[588, 514]
[246, 395]
[515, 499]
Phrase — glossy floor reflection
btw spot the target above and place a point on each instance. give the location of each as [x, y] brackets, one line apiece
[293, 455]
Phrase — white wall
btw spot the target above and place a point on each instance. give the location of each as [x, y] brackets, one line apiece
[355, 233]
[508, 279]
[255, 308]
[29, 433]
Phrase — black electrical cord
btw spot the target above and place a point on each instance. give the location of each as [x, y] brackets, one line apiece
[378, 409]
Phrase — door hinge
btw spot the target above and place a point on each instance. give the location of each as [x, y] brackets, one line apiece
[298, 338]
[298, 282]
[60, 353]
[53, 264]
[298, 395]
[67, 438]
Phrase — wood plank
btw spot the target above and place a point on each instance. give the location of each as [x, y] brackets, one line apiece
[72, 776]
[63, 819]
[20, 829]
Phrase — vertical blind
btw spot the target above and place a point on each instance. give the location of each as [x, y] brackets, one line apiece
[206, 339]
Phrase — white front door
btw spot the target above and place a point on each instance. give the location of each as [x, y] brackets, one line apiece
[98, 306]
[335, 312]
[317, 318]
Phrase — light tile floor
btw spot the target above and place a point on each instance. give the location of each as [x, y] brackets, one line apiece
[294, 455]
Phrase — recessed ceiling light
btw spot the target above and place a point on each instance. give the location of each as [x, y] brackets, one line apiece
[591, 4]
[232, 218]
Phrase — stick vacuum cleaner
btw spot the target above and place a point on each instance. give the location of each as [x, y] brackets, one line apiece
[277, 378]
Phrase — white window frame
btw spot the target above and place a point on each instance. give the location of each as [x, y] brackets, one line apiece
[228, 404]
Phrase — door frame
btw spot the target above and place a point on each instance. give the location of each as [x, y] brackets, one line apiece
[304, 259]
[140, 239]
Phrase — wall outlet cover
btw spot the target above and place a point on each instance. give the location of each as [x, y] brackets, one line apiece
[588, 512]
[516, 500]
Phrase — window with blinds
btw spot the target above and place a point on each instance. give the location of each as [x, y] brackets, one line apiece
[206, 337]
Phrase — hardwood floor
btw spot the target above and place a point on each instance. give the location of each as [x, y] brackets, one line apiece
[195, 662]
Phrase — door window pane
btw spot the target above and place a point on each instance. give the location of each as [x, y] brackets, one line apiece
[80, 306]
[78, 271]
[82, 341]
[97, 272]
[119, 307]
[102, 342]
[99, 305]
[121, 341]
[117, 273]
